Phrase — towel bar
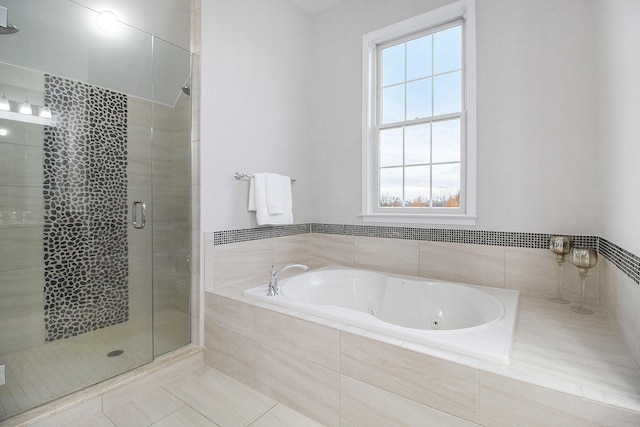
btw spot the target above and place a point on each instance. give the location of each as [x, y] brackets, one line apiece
[244, 177]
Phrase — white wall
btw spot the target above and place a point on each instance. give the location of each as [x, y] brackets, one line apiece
[255, 82]
[536, 128]
[619, 91]
[336, 101]
[537, 132]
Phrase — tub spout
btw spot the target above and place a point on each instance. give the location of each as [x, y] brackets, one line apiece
[273, 281]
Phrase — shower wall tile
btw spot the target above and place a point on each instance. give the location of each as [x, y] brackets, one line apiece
[140, 112]
[21, 248]
[166, 118]
[20, 292]
[171, 175]
[390, 255]
[21, 309]
[139, 141]
[307, 340]
[362, 404]
[17, 165]
[171, 243]
[465, 263]
[26, 202]
[20, 133]
[329, 249]
[507, 402]
[304, 386]
[443, 385]
[139, 175]
[140, 287]
[171, 145]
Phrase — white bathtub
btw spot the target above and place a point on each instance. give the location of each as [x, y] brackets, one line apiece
[472, 320]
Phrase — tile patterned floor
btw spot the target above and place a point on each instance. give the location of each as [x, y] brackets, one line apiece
[200, 397]
[49, 371]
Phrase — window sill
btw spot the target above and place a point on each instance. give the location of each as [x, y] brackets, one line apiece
[432, 219]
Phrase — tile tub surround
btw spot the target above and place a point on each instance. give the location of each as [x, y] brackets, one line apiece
[532, 271]
[519, 261]
[565, 366]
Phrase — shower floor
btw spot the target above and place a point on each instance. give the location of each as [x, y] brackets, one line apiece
[46, 372]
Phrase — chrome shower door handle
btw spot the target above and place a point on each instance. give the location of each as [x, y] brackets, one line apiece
[134, 214]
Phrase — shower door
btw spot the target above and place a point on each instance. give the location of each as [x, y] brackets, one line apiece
[94, 202]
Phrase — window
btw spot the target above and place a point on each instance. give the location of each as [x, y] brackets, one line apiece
[419, 119]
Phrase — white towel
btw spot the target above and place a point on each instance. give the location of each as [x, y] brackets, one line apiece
[278, 193]
[270, 198]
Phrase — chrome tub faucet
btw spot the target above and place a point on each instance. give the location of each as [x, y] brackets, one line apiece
[273, 281]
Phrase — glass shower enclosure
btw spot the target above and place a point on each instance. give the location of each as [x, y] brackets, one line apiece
[95, 201]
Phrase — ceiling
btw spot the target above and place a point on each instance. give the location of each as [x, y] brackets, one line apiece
[315, 6]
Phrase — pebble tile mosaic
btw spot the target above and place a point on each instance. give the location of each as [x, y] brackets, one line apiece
[85, 219]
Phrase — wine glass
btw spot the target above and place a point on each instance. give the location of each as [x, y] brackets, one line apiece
[584, 259]
[560, 246]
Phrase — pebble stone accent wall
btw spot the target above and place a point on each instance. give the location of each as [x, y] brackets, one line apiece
[85, 219]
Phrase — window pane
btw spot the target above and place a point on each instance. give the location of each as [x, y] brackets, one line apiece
[446, 141]
[419, 99]
[416, 144]
[393, 65]
[391, 147]
[447, 50]
[419, 58]
[393, 104]
[417, 186]
[447, 93]
[391, 187]
[446, 185]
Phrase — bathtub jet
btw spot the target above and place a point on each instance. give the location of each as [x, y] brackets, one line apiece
[473, 320]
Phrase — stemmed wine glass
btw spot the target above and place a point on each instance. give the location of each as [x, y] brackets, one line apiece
[560, 246]
[584, 259]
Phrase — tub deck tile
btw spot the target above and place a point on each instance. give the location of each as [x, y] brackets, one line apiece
[579, 356]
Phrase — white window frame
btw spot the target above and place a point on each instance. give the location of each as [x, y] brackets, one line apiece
[466, 215]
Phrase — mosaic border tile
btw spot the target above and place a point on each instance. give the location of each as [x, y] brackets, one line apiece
[247, 234]
[475, 237]
[626, 261]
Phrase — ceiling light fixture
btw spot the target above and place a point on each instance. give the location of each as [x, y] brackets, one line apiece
[108, 22]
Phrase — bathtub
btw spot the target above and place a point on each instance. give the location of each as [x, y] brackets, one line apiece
[472, 320]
